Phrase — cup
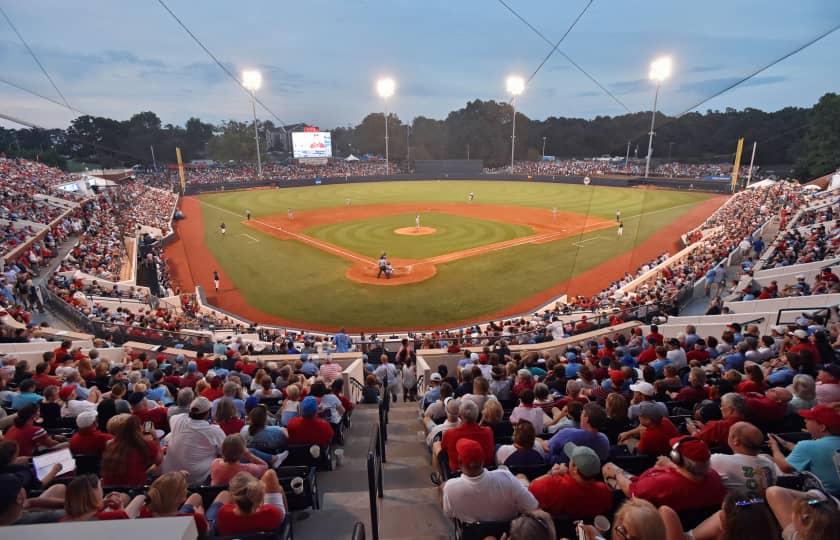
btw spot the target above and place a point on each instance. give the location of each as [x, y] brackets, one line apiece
[297, 485]
[315, 451]
[602, 524]
[339, 456]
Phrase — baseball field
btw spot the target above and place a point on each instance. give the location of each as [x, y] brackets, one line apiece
[308, 256]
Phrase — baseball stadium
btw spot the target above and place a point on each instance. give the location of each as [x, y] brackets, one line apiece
[420, 271]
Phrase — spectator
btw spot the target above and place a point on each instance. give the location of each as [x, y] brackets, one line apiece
[251, 505]
[715, 433]
[469, 429]
[27, 435]
[828, 384]
[574, 490]
[745, 470]
[592, 419]
[817, 455]
[193, 442]
[436, 431]
[481, 495]
[655, 434]
[84, 501]
[235, 458]
[810, 515]
[527, 411]
[88, 439]
[308, 428]
[524, 452]
[227, 418]
[267, 442]
[168, 497]
[534, 525]
[128, 457]
[684, 482]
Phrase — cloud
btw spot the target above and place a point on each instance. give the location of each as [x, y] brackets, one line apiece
[706, 69]
[630, 87]
[589, 93]
[710, 86]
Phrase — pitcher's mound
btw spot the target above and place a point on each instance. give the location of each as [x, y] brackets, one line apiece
[415, 231]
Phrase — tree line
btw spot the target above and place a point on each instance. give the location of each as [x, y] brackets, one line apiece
[806, 138]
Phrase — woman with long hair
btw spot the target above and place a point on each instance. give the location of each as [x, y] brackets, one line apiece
[128, 457]
[250, 505]
[84, 501]
[168, 497]
[227, 417]
[263, 440]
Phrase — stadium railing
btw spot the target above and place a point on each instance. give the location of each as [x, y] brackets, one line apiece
[375, 458]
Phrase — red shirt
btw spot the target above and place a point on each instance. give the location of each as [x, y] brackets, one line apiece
[666, 486]
[715, 433]
[309, 431]
[232, 426]
[213, 393]
[480, 434]
[204, 364]
[132, 472]
[89, 441]
[763, 410]
[266, 518]
[43, 380]
[156, 415]
[698, 355]
[655, 438]
[647, 355]
[27, 437]
[690, 395]
[200, 521]
[660, 339]
[751, 386]
[563, 495]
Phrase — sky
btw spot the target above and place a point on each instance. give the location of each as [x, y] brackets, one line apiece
[320, 59]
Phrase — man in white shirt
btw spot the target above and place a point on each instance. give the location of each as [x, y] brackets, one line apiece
[73, 406]
[482, 495]
[452, 421]
[556, 328]
[193, 443]
[745, 470]
[676, 354]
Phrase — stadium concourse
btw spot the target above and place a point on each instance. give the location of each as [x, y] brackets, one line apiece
[618, 405]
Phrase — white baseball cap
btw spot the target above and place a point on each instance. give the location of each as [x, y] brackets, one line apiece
[86, 419]
[642, 387]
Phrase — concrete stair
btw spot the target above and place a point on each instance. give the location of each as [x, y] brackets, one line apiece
[411, 507]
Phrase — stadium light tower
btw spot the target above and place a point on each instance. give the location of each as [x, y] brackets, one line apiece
[660, 69]
[515, 86]
[252, 80]
[385, 88]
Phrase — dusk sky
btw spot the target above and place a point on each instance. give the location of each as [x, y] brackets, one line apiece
[320, 59]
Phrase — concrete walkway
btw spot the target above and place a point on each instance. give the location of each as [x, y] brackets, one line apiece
[411, 507]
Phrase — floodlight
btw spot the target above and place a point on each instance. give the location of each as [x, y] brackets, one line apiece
[660, 69]
[385, 87]
[515, 85]
[251, 79]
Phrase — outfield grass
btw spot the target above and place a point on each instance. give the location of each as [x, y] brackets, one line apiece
[374, 236]
[302, 283]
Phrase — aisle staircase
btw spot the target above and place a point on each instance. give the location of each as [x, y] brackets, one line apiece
[410, 508]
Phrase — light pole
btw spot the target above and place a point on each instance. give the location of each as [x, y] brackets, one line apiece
[543, 148]
[515, 87]
[660, 69]
[252, 80]
[385, 88]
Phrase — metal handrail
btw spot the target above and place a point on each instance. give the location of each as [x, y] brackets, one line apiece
[375, 458]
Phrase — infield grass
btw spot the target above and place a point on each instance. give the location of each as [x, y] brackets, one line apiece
[301, 283]
[374, 236]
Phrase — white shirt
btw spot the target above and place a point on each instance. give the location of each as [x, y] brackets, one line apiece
[491, 496]
[677, 358]
[75, 407]
[192, 447]
[436, 433]
[535, 415]
[556, 329]
[740, 472]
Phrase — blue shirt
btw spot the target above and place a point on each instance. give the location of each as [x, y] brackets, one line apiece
[821, 457]
[237, 403]
[595, 440]
[342, 342]
[24, 399]
[309, 369]
[734, 361]
[269, 439]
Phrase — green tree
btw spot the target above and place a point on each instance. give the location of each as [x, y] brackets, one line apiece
[820, 149]
[235, 142]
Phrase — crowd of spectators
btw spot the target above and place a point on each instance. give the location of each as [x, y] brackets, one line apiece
[247, 172]
[158, 426]
[680, 423]
[149, 206]
[604, 167]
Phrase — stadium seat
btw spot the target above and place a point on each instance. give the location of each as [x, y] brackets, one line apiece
[88, 463]
[635, 465]
[310, 496]
[299, 454]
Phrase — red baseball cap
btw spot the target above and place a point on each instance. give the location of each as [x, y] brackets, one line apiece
[822, 414]
[469, 452]
[65, 392]
[691, 448]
